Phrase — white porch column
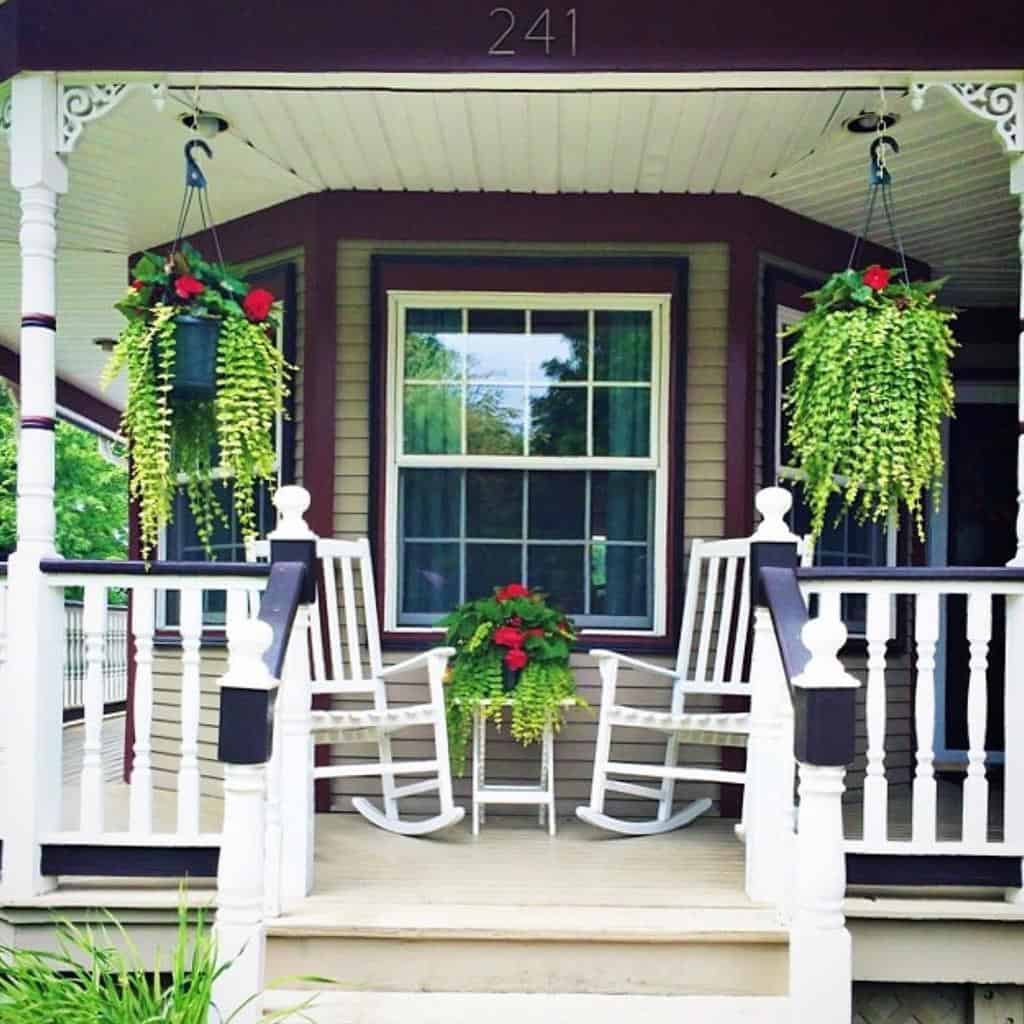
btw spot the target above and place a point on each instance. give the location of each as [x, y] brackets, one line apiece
[291, 814]
[768, 791]
[1017, 188]
[35, 621]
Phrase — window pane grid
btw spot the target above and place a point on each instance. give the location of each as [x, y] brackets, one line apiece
[477, 552]
[509, 410]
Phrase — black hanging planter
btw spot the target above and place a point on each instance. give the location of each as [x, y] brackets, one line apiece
[195, 356]
[509, 677]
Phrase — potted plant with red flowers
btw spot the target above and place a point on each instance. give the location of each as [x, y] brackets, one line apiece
[206, 382]
[510, 648]
[871, 387]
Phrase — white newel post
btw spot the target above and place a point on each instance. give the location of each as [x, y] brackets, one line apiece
[768, 792]
[36, 612]
[294, 858]
[1017, 188]
[241, 885]
[1013, 789]
[820, 948]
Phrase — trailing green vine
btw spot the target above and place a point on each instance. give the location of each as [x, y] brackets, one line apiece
[871, 387]
[512, 646]
[177, 438]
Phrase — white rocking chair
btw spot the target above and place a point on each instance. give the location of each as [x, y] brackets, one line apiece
[355, 672]
[711, 661]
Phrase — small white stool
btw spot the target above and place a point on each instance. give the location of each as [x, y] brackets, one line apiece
[484, 793]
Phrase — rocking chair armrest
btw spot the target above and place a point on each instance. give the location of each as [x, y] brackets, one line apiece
[644, 666]
[416, 661]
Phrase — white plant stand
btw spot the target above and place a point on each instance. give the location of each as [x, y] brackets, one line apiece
[542, 794]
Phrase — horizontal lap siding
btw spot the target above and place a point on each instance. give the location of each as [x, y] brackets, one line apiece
[703, 513]
[167, 661]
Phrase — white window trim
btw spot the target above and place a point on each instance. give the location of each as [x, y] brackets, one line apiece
[658, 304]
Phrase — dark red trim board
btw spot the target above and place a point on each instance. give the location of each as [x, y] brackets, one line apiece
[467, 35]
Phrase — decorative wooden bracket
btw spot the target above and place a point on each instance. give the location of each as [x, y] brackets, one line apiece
[1001, 103]
[77, 105]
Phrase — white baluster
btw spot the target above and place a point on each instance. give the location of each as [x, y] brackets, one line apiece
[240, 873]
[1013, 795]
[926, 634]
[140, 805]
[94, 621]
[188, 767]
[820, 947]
[876, 788]
[975, 802]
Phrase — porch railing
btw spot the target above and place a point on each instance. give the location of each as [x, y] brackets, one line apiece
[973, 817]
[253, 842]
[115, 656]
[961, 830]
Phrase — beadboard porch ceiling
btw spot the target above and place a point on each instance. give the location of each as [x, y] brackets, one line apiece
[787, 146]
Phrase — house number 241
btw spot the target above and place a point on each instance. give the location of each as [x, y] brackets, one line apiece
[539, 31]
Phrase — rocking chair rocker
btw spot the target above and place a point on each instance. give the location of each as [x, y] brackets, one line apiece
[719, 644]
[353, 672]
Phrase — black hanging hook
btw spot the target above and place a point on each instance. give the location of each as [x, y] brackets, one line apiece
[194, 177]
[877, 173]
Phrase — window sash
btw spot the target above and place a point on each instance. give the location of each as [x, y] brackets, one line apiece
[657, 305]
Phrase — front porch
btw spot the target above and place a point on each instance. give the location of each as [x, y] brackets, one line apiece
[679, 917]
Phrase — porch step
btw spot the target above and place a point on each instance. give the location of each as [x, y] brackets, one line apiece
[486, 949]
[513, 1008]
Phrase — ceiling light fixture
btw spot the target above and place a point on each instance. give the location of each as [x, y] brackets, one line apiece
[205, 123]
[868, 121]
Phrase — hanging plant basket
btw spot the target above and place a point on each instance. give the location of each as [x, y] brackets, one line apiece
[872, 383]
[870, 390]
[206, 381]
[195, 356]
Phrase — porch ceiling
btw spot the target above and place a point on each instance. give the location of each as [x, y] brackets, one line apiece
[787, 146]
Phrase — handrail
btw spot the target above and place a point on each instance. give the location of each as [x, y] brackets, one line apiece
[278, 607]
[789, 616]
[912, 574]
[99, 567]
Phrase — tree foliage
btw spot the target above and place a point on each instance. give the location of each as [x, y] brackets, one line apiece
[91, 492]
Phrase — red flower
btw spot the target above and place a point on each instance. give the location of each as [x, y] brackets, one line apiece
[511, 591]
[876, 277]
[536, 631]
[516, 658]
[137, 286]
[506, 636]
[186, 286]
[257, 304]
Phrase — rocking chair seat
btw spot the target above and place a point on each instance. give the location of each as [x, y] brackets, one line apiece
[715, 728]
[367, 725]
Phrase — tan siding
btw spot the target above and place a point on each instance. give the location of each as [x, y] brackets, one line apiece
[707, 304]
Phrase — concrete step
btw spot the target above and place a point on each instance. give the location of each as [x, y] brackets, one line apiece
[516, 1008]
[489, 949]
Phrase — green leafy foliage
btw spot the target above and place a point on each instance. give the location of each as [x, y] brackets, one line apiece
[871, 387]
[91, 493]
[91, 978]
[173, 437]
[484, 632]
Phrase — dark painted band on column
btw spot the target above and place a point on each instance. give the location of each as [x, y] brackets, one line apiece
[38, 423]
[1020, 428]
[39, 320]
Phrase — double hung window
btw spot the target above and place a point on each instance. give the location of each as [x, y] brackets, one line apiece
[528, 443]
